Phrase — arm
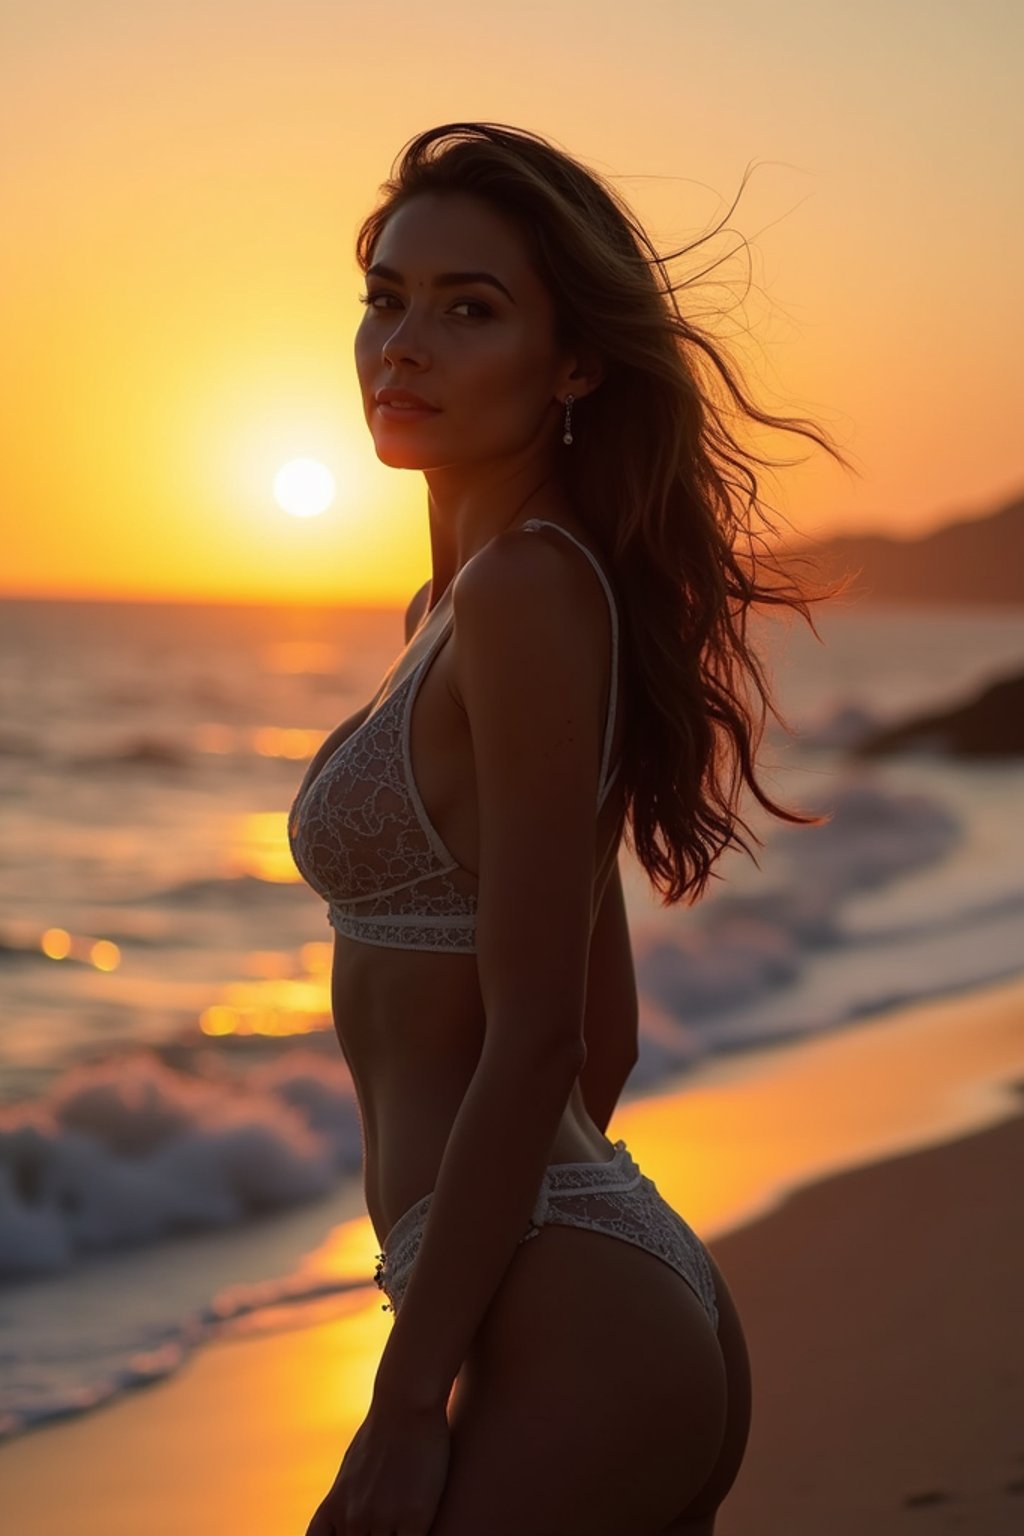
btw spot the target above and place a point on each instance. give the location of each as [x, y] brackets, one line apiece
[532, 694]
[612, 1015]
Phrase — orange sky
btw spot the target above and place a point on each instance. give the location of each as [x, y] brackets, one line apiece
[184, 183]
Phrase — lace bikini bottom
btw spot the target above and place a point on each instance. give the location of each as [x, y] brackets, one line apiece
[612, 1197]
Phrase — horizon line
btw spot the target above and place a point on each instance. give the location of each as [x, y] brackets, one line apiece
[180, 600]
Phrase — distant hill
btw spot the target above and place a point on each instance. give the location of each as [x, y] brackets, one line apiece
[989, 724]
[980, 560]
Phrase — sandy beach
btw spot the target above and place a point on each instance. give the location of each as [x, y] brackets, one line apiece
[862, 1194]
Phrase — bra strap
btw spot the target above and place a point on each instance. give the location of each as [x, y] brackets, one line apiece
[603, 786]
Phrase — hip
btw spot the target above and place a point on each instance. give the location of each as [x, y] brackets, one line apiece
[613, 1197]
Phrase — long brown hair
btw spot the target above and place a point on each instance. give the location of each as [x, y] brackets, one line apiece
[658, 477]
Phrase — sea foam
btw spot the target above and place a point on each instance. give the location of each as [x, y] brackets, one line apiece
[124, 1152]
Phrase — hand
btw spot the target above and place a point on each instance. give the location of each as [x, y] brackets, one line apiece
[391, 1477]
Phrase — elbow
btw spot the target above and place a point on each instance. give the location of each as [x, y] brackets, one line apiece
[563, 1052]
[554, 1052]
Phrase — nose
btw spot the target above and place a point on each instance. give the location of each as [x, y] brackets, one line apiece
[404, 343]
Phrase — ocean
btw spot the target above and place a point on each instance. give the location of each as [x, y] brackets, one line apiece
[179, 1139]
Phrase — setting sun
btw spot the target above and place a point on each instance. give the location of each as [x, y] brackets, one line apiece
[304, 487]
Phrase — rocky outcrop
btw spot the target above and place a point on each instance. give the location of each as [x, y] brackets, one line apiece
[989, 725]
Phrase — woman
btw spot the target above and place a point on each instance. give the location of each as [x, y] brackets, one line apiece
[577, 655]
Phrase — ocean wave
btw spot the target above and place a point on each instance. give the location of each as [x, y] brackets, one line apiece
[215, 890]
[873, 835]
[139, 752]
[22, 942]
[193, 747]
[740, 948]
[128, 1151]
[30, 952]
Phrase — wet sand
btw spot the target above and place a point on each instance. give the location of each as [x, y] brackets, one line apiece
[883, 1314]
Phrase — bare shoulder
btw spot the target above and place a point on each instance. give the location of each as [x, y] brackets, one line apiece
[533, 582]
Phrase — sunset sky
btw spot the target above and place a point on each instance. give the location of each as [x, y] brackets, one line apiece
[182, 185]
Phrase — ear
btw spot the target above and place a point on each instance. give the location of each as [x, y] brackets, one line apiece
[582, 375]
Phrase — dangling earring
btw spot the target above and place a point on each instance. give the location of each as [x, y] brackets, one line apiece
[567, 434]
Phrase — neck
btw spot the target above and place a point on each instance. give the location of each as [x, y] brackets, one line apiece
[462, 523]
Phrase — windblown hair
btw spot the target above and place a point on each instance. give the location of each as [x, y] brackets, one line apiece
[658, 477]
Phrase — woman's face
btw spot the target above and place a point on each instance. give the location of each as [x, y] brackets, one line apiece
[481, 349]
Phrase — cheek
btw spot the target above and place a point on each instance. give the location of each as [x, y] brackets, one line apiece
[499, 367]
[506, 368]
[367, 354]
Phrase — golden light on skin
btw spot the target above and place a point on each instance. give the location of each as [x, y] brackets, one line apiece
[56, 943]
[304, 488]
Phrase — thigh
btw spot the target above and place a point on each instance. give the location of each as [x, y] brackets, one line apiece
[593, 1400]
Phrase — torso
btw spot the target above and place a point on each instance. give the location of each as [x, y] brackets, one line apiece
[411, 1023]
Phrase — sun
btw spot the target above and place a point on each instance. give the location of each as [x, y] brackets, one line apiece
[304, 487]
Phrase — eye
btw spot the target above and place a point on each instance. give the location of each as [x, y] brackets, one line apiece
[473, 304]
[370, 299]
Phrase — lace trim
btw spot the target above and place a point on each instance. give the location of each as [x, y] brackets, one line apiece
[360, 834]
[452, 934]
[614, 1197]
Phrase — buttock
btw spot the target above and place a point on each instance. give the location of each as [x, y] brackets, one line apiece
[613, 1197]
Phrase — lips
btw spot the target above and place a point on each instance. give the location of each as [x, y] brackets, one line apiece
[404, 399]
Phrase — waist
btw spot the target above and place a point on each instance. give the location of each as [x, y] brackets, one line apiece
[411, 1030]
[617, 1171]
[405, 1143]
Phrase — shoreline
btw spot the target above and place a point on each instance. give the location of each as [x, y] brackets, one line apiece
[787, 1114]
[848, 1151]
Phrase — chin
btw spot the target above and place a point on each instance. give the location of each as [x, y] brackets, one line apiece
[403, 456]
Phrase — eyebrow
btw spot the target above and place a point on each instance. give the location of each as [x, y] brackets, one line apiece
[443, 279]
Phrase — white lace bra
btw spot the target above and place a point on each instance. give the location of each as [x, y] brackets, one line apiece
[361, 837]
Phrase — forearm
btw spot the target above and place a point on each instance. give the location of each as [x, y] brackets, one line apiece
[485, 1192]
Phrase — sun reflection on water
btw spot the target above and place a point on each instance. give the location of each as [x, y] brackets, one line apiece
[281, 1005]
[284, 996]
[260, 848]
[291, 742]
[59, 944]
